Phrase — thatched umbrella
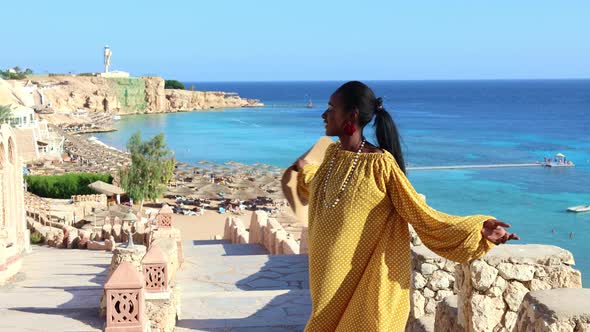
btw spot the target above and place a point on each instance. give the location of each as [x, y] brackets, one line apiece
[211, 190]
[181, 191]
[247, 193]
[266, 179]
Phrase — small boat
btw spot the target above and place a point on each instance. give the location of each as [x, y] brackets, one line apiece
[116, 117]
[309, 103]
[579, 208]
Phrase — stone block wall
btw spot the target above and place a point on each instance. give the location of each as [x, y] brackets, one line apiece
[432, 280]
[447, 316]
[491, 289]
[563, 310]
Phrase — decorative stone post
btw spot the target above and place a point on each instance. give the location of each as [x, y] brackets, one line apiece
[125, 300]
[155, 270]
[164, 218]
[122, 255]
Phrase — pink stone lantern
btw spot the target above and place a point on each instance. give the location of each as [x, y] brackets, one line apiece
[125, 300]
[164, 217]
[155, 270]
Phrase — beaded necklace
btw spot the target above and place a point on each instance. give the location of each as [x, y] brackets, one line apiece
[354, 162]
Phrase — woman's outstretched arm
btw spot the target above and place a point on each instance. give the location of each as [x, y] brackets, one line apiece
[454, 237]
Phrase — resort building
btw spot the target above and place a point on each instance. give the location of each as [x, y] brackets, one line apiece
[14, 235]
[33, 136]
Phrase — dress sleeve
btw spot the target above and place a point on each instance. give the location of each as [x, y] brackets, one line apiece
[453, 237]
[304, 177]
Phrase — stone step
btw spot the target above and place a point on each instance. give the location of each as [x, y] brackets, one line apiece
[206, 272]
[245, 311]
[33, 319]
[56, 290]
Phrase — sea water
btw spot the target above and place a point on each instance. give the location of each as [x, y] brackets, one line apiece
[441, 123]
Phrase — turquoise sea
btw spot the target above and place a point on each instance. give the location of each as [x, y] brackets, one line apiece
[441, 123]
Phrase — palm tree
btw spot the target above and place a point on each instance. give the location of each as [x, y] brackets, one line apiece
[5, 113]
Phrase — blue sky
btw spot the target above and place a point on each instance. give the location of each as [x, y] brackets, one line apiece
[302, 40]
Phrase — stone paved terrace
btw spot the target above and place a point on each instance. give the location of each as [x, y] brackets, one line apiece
[56, 290]
[238, 287]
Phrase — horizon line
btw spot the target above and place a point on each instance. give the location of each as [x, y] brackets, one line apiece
[394, 80]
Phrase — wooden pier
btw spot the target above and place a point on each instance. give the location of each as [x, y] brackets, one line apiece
[428, 168]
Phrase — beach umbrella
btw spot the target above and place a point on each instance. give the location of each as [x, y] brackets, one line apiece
[559, 155]
[266, 179]
[274, 185]
[276, 195]
[182, 191]
[212, 190]
[247, 193]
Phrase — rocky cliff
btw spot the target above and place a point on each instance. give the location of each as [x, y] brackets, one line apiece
[68, 94]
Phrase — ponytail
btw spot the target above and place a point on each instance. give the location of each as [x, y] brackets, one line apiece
[387, 134]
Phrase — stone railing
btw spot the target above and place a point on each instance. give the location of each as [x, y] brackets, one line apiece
[265, 231]
[99, 198]
[490, 290]
[106, 237]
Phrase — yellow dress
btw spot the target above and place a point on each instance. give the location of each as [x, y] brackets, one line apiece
[359, 250]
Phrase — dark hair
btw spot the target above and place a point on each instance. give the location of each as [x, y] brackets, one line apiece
[358, 96]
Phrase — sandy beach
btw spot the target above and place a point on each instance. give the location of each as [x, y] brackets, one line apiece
[204, 227]
[205, 186]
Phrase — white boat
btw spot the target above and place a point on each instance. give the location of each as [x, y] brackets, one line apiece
[558, 161]
[116, 117]
[579, 208]
[309, 103]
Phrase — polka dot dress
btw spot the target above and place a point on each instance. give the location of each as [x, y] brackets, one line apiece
[359, 250]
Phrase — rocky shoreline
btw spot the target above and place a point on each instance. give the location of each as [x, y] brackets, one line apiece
[87, 100]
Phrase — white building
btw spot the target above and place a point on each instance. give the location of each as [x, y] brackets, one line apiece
[33, 136]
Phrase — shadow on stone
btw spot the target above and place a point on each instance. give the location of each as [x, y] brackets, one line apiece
[79, 303]
[275, 298]
[87, 316]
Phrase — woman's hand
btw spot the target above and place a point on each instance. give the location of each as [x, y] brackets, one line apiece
[299, 164]
[494, 231]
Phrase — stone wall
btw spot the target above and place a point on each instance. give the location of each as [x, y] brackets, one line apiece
[447, 316]
[432, 280]
[491, 289]
[14, 235]
[563, 310]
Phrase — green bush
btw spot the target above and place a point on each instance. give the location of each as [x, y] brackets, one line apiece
[36, 238]
[12, 76]
[64, 186]
[173, 84]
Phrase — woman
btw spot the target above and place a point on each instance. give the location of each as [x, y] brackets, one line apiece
[360, 205]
